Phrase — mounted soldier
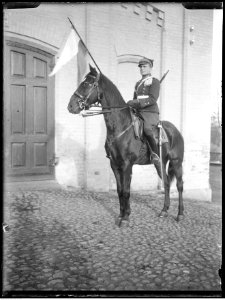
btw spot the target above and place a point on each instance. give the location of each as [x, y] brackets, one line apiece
[145, 98]
[122, 147]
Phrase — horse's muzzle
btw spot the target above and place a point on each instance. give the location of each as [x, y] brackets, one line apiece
[73, 106]
[73, 109]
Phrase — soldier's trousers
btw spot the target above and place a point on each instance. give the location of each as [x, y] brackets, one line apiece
[150, 129]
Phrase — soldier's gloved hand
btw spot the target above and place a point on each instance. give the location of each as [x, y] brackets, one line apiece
[133, 103]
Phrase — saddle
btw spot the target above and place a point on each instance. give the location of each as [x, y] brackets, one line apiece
[138, 125]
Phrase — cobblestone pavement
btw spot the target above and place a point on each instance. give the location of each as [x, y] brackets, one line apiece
[68, 240]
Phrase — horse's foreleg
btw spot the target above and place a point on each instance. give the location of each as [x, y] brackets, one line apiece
[123, 175]
[117, 173]
[127, 175]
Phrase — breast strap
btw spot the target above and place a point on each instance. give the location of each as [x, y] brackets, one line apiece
[142, 81]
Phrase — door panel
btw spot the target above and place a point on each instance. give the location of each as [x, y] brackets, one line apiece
[29, 112]
[40, 110]
[17, 109]
[18, 63]
[18, 155]
[40, 68]
[40, 154]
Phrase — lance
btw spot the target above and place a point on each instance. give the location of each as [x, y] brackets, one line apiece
[164, 76]
[84, 44]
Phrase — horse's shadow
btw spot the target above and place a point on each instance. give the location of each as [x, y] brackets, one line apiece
[105, 205]
[149, 203]
[112, 211]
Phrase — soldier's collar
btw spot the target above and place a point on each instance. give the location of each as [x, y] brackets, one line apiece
[146, 76]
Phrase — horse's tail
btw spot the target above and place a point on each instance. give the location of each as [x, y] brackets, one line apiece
[170, 169]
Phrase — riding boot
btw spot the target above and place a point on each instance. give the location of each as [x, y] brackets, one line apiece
[154, 152]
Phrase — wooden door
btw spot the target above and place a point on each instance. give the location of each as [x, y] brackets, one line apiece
[28, 111]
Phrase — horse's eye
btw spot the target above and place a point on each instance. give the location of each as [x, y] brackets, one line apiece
[87, 84]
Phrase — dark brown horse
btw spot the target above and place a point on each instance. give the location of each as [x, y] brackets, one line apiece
[121, 146]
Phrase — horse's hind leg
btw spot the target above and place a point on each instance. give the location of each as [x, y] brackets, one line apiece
[178, 173]
[166, 206]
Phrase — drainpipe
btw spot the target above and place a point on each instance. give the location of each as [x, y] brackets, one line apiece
[184, 72]
[85, 119]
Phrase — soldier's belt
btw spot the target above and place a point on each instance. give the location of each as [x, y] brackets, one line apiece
[142, 97]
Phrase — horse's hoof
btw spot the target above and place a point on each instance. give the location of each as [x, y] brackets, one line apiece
[163, 214]
[124, 223]
[118, 221]
[179, 218]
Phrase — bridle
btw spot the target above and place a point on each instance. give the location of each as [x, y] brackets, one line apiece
[82, 100]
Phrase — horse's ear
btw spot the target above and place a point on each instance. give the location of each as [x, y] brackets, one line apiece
[93, 70]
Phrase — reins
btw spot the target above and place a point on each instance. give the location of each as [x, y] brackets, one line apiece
[90, 113]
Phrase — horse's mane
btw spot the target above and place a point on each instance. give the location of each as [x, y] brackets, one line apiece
[111, 90]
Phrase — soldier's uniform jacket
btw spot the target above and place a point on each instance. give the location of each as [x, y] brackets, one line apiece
[147, 93]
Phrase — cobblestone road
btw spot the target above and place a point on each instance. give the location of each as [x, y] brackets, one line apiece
[68, 240]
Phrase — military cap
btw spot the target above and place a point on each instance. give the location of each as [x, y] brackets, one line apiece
[144, 61]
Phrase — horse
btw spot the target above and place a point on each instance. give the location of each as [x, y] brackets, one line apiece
[122, 147]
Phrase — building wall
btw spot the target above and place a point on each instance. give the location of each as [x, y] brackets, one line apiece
[196, 113]
[173, 59]
[111, 30]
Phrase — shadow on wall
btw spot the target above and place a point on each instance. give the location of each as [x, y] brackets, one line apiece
[70, 153]
[79, 165]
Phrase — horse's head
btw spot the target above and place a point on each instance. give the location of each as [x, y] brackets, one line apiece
[86, 94]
